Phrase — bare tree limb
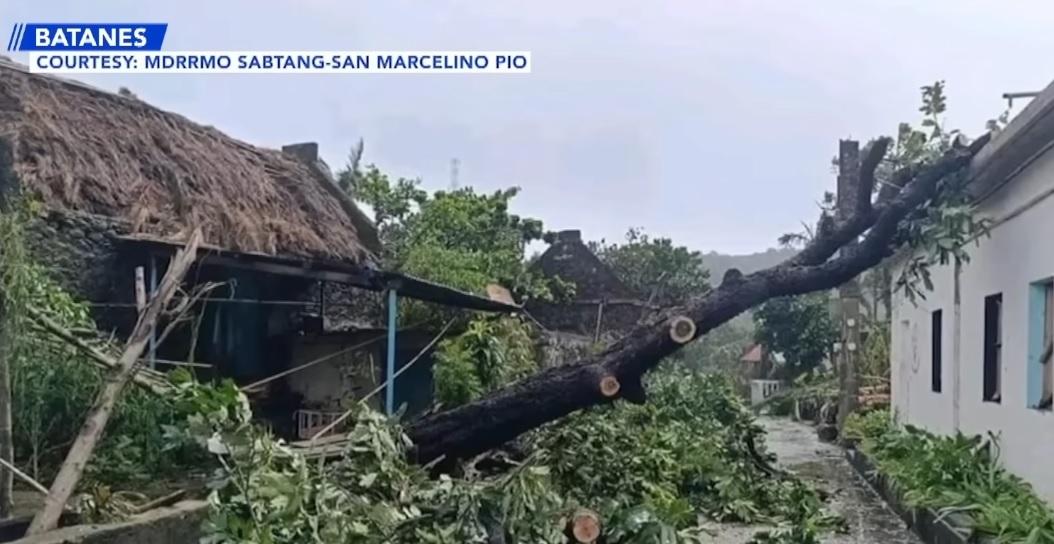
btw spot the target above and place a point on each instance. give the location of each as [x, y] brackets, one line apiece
[95, 423]
[833, 233]
[24, 477]
[155, 384]
[876, 151]
[178, 314]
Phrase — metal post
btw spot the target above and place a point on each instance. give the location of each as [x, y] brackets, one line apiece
[153, 292]
[389, 390]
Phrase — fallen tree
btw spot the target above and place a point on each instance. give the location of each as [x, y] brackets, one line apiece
[856, 237]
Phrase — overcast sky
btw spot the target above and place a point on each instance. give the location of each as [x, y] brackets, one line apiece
[710, 121]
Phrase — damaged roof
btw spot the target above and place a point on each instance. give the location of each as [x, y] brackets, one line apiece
[80, 149]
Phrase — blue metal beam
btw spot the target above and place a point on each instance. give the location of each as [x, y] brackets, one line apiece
[389, 390]
[153, 292]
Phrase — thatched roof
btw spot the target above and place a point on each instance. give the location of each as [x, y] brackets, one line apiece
[79, 149]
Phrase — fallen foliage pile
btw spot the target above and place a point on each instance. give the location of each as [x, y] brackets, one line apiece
[683, 454]
[954, 474]
[654, 474]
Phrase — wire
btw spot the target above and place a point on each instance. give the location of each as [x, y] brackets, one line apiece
[378, 389]
[324, 358]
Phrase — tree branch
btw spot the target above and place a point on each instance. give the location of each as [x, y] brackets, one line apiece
[845, 231]
[95, 423]
[154, 383]
[876, 151]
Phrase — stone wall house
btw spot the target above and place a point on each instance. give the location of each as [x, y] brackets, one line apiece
[117, 184]
[602, 307]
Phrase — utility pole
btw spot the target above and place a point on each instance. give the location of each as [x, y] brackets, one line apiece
[848, 306]
[455, 168]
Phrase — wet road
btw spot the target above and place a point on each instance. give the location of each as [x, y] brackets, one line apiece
[824, 465]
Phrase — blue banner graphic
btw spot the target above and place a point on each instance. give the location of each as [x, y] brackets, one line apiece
[87, 36]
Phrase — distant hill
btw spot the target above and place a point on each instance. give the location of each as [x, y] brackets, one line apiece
[718, 263]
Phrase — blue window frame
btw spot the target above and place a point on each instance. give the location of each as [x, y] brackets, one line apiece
[1040, 335]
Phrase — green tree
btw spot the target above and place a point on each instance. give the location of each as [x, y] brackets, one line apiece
[939, 231]
[655, 267]
[798, 327]
[461, 238]
[492, 352]
[467, 240]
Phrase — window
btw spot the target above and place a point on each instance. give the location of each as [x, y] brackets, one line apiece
[993, 347]
[1040, 336]
[1045, 355]
[935, 352]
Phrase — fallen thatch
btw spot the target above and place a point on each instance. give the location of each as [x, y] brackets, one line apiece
[80, 149]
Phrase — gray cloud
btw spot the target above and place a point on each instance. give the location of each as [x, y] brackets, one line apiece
[709, 121]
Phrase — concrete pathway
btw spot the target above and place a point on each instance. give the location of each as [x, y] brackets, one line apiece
[824, 465]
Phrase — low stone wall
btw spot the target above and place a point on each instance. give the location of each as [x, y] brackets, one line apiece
[557, 348]
[580, 317]
[176, 524]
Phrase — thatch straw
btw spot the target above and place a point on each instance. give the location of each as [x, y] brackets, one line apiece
[81, 149]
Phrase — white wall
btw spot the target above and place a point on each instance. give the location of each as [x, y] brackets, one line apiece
[333, 384]
[913, 399]
[1020, 251]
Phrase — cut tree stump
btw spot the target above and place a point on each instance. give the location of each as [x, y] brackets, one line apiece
[609, 386]
[584, 526]
[682, 329]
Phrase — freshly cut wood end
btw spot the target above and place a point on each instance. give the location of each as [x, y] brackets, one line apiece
[609, 386]
[682, 329]
[499, 293]
[585, 526]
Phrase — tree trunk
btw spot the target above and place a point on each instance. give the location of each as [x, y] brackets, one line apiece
[95, 423]
[551, 394]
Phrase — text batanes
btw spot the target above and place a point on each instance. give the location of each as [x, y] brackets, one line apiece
[80, 37]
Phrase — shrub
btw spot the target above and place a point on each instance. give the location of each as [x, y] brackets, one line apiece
[955, 473]
[492, 352]
[53, 385]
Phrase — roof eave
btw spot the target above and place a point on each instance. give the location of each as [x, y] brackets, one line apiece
[364, 277]
[1028, 136]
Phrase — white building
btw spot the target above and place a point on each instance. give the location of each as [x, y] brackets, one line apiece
[970, 356]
